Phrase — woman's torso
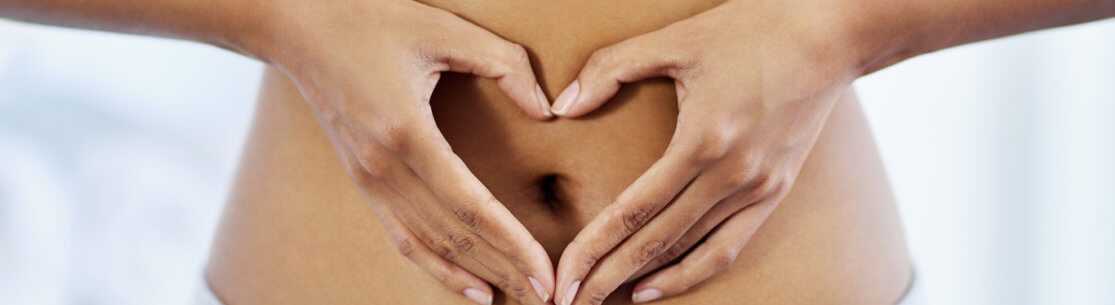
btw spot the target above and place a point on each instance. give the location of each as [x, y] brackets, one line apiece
[297, 231]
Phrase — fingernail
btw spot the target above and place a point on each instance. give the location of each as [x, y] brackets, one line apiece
[565, 100]
[542, 102]
[542, 294]
[571, 293]
[646, 295]
[478, 296]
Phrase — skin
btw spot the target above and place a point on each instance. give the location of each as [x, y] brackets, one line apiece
[296, 230]
[756, 81]
[751, 105]
[433, 206]
[447, 221]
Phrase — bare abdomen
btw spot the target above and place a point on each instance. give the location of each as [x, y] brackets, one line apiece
[297, 231]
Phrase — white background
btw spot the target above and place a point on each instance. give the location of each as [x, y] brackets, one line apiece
[116, 153]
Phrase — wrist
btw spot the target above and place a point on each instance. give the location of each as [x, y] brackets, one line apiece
[291, 34]
[884, 33]
[250, 28]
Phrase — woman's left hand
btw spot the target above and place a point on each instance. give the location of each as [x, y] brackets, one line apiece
[755, 82]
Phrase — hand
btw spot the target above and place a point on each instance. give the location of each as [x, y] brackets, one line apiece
[755, 82]
[368, 69]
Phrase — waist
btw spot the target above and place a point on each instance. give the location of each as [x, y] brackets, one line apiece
[296, 229]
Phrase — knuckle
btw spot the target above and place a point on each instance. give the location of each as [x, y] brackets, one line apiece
[514, 258]
[746, 174]
[464, 241]
[712, 145]
[504, 282]
[362, 176]
[762, 183]
[588, 258]
[671, 253]
[635, 219]
[517, 55]
[723, 259]
[781, 184]
[685, 63]
[739, 179]
[519, 291]
[373, 167]
[597, 297]
[600, 59]
[395, 135]
[687, 282]
[467, 216]
[445, 251]
[649, 251]
[734, 180]
[405, 246]
[443, 275]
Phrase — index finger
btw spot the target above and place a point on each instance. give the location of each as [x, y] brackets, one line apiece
[474, 50]
[423, 149]
[640, 202]
[717, 253]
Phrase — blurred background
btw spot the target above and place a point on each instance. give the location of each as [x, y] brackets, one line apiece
[116, 153]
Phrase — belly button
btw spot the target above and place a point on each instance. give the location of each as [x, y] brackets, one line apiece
[551, 196]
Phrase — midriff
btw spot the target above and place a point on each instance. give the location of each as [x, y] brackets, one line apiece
[296, 230]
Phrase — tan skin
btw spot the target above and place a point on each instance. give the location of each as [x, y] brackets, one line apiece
[756, 82]
[297, 231]
[754, 91]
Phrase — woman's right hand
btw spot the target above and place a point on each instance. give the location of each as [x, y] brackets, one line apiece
[368, 68]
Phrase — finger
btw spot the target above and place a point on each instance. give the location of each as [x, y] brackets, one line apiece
[414, 205]
[709, 221]
[384, 202]
[633, 208]
[484, 261]
[459, 243]
[502, 272]
[657, 236]
[454, 241]
[449, 274]
[441, 173]
[476, 51]
[606, 69]
[478, 258]
[714, 255]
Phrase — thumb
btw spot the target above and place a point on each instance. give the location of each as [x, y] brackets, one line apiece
[628, 61]
[486, 55]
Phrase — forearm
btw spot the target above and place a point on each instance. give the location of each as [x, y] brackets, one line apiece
[236, 25]
[889, 31]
